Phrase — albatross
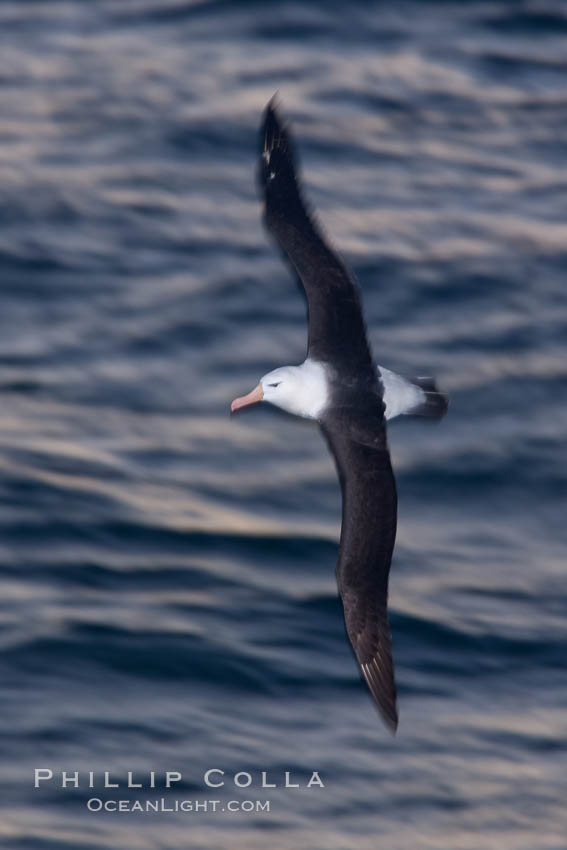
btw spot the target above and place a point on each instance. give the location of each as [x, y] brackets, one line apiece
[340, 387]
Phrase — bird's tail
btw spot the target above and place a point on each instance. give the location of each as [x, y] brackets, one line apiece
[411, 397]
[434, 404]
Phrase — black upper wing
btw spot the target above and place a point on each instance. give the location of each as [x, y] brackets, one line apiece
[336, 325]
[357, 439]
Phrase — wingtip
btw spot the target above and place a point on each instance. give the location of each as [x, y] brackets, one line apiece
[383, 694]
[273, 130]
[391, 722]
[271, 111]
[388, 715]
[273, 103]
[277, 163]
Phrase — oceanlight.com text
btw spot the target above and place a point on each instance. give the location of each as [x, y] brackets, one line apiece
[160, 805]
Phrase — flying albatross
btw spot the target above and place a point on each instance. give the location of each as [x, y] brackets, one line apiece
[339, 386]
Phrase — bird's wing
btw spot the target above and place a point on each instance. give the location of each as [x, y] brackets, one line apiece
[336, 325]
[357, 439]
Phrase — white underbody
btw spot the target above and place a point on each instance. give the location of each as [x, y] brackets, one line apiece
[304, 390]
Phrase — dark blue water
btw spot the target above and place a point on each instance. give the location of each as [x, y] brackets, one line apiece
[167, 595]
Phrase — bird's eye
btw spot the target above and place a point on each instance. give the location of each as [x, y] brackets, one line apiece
[275, 385]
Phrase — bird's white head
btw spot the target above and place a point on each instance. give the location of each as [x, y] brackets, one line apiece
[301, 390]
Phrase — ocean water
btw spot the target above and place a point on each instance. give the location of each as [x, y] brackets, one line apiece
[167, 591]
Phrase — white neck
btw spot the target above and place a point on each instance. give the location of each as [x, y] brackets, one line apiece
[304, 390]
[313, 389]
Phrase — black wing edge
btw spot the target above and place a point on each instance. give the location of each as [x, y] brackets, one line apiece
[277, 168]
[372, 647]
[379, 676]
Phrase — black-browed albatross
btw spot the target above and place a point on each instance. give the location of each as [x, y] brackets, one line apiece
[339, 386]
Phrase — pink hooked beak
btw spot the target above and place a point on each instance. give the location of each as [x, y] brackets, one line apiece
[257, 394]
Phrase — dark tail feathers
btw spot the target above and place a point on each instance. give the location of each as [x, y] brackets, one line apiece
[436, 403]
